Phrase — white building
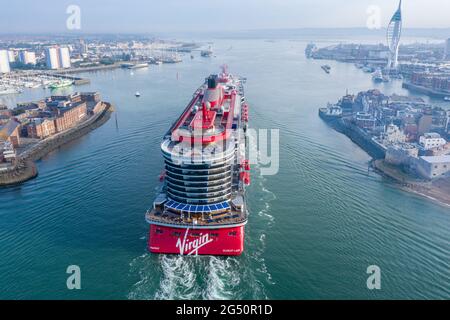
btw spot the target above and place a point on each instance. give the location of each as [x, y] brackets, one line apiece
[447, 50]
[432, 167]
[11, 56]
[4, 62]
[57, 58]
[431, 140]
[27, 57]
[52, 58]
[64, 57]
[393, 135]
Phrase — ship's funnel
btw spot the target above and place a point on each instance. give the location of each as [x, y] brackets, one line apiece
[212, 81]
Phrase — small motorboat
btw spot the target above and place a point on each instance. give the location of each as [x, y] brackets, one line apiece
[137, 94]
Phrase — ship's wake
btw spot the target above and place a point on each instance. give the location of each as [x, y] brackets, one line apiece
[173, 277]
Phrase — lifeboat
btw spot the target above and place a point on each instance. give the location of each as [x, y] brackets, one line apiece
[245, 177]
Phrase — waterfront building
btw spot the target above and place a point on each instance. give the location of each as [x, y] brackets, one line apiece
[432, 167]
[57, 58]
[41, 128]
[69, 116]
[11, 56]
[60, 114]
[394, 31]
[52, 58]
[4, 62]
[432, 140]
[11, 132]
[27, 57]
[64, 57]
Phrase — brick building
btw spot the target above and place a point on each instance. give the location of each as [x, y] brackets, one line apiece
[11, 132]
[69, 116]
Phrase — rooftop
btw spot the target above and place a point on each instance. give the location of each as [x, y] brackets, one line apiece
[432, 135]
[436, 159]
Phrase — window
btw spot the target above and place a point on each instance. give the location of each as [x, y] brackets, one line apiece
[159, 231]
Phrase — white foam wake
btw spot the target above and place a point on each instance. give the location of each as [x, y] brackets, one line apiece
[223, 279]
[178, 280]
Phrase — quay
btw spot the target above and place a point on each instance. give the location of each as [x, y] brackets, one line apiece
[75, 80]
[424, 90]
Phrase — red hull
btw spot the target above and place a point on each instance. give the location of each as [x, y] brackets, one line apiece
[188, 241]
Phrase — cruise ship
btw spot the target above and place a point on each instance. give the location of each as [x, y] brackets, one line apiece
[201, 209]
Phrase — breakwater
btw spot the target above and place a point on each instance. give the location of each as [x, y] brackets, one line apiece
[26, 168]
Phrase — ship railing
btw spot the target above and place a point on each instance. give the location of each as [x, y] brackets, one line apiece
[169, 218]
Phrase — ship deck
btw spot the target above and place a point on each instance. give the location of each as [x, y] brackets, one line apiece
[205, 220]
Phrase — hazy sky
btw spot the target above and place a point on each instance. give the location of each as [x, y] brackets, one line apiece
[113, 16]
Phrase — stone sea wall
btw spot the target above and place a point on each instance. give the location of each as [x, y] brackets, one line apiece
[26, 169]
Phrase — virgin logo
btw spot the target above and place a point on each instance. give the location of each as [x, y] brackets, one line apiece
[189, 247]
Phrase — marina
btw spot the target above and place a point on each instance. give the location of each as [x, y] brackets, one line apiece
[15, 82]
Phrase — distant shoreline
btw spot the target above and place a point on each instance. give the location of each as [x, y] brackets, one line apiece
[26, 168]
